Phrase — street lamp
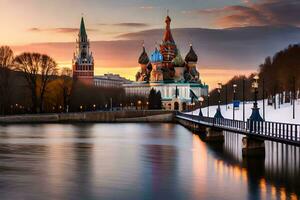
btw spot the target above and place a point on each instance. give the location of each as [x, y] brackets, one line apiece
[218, 113]
[193, 105]
[94, 106]
[255, 116]
[201, 99]
[208, 105]
[233, 104]
[139, 103]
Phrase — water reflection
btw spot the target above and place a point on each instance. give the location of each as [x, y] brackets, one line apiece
[138, 161]
[276, 175]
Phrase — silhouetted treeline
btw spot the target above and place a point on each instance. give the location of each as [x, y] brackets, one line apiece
[282, 71]
[33, 83]
[277, 74]
[62, 94]
[88, 98]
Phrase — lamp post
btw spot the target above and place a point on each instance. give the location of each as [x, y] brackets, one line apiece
[111, 104]
[201, 99]
[193, 105]
[208, 105]
[243, 99]
[139, 103]
[233, 103]
[218, 113]
[294, 96]
[263, 97]
[226, 96]
[255, 116]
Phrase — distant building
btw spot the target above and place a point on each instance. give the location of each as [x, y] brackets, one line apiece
[110, 80]
[83, 61]
[166, 71]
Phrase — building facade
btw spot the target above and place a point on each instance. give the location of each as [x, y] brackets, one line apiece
[166, 71]
[83, 61]
[111, 81]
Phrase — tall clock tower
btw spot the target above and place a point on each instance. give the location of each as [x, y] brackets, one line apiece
[83, 61]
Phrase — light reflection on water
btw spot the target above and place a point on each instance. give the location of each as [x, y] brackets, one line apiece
[138, 161]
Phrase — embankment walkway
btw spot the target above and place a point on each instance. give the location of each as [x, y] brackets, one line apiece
[96, 116]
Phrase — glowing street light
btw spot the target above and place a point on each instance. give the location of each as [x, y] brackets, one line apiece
[201, 99]
[218, 113]
[255, 116]
[233, 104]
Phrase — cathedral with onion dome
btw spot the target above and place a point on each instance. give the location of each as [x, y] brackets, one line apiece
[166, 71]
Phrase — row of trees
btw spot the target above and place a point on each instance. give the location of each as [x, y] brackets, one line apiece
[282, 71]
[33, 83]
[277, 74]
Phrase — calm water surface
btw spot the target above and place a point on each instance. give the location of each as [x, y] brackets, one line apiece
[138, 161]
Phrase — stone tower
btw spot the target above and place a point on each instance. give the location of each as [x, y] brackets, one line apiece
[83, 61]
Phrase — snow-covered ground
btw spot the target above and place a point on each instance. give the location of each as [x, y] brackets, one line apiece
[283, 114]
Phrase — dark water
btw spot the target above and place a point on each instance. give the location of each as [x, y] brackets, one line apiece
[138, 161]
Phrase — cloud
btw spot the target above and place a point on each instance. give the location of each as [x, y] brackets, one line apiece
[259, 13]
[234, 50]
[243, 48]
[130, 24]
[58, 30]
[127, 24]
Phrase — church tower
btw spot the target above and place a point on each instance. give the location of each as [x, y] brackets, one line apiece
[83, 61]
[168, 49]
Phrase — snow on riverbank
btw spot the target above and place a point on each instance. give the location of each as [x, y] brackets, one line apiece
[283, 114]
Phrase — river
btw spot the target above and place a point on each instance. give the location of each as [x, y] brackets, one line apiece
[138, 161]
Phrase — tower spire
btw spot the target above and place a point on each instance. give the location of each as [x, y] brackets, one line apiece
[82, 31]
[168, 35]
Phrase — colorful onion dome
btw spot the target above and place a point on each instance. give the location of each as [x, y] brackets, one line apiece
[178, 60]
[191, 56]
[156, 56]
[143, 59]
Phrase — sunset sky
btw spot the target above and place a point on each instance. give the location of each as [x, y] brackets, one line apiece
[230, 36]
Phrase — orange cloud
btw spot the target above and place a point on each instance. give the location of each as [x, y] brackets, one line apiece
[59, 30]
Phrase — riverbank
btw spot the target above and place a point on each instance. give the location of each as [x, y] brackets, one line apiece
[134, 116]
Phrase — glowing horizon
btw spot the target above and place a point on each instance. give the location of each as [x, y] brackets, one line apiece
[52, 28]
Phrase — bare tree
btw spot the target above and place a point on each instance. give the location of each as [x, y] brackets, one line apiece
[6, 64]
[37, 70]
[66, 86]
[48, 69]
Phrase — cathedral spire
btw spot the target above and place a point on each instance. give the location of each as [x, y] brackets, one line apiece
[168, 35]
[82, 31]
